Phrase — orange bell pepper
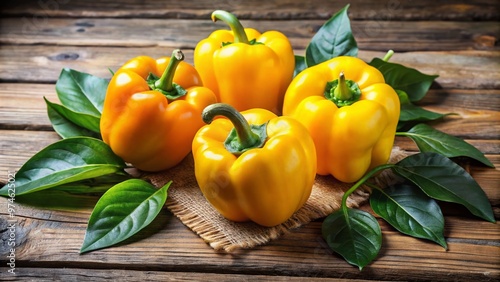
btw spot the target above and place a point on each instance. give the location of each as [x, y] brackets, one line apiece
[152, 110]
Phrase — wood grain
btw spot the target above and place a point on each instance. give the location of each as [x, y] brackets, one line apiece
[163, 247]
[78, 274]
[257, 9]
[25, 109]
[456, 40]
[460, 69]
[186, 33]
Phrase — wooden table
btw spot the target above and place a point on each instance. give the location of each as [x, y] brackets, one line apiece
[458, 40]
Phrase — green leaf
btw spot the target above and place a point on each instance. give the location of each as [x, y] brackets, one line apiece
[444, 180]
[412, 81]
[410, 211]
[64, 127]
[86, 121]
[300, 65]
[82, 98]
[66, 161]
[81, 92]
[333, 39]
[429, 139]
[121, 212]
[411, 112]
[96, 185]
[354, 234]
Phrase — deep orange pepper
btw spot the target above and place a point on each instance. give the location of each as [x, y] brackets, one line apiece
[151, 122]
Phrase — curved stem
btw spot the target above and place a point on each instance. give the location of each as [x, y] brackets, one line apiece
[246, 136]
[388, 56]
[233, 22]
[402, 133]
[342, 92]
[166, 80]
[362, 181]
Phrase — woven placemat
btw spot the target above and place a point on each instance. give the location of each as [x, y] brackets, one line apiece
[186, 202]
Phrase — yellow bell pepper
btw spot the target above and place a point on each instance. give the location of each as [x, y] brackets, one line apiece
[243, 67]
[350, 112]
[148, 120]
[263, 172]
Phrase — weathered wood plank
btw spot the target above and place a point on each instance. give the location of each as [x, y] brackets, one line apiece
[39, 37]
[78, 274]
[167, 245]
[484, 121]
[23, 108]
[472, 99]
[461, 69]
[17, 147]
[175, 33]
[256, 9]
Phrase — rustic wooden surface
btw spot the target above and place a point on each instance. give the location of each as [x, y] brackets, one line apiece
[456, 39]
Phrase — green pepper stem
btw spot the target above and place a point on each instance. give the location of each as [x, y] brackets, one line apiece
[388, 56]
[403, 133]
[233, 22]
[166, 80]
[342, 92]
[362, 181]
[246, 136]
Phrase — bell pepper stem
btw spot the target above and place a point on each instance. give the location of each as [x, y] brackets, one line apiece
[166, 80]
[388, 56]
[342, 92]
[362, 181]
[245, 137]
[233, 22]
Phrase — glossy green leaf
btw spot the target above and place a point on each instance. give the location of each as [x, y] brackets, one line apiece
[444, 180]
[410, 211]
[83, 120]
[81, 92]
[429, 139]
[300, 65]
[123, 211]
[333, 39]
[93, 186]
[82, 98]
[66, 161]
[411, 112]
[354, 234]
[64, 127]
[411, 81]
